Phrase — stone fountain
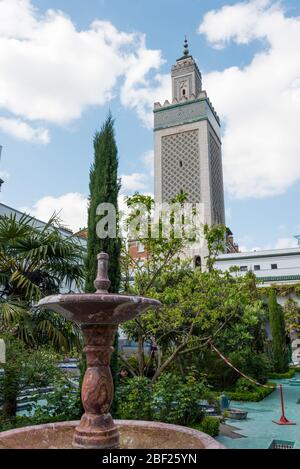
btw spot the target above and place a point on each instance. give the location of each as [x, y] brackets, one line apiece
[99, 315]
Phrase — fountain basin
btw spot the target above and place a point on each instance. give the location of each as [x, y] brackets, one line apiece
[98, 308]
[134, 434]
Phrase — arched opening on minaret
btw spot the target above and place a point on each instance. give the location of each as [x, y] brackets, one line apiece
[197, 262]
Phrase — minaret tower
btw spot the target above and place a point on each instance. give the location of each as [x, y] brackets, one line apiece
[187, 144]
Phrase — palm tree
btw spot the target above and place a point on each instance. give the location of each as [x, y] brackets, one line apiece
[35, 262]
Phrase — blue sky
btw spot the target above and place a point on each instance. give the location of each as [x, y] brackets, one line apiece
[262, 195]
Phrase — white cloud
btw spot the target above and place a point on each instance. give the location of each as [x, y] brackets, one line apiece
[148, 160]
[4, 175]
[71, 209]
[133, 182]
[51, 72]
[259, 103]
[22, 131]
[280, 243]
[139, 181]
[140, 94]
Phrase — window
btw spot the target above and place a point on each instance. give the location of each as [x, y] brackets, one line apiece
[243, 268]
[273, 266]
[256, 267]
[180, 164]
[198, 261]
[183, 92]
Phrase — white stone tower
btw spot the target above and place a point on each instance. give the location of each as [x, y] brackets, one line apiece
[187, 145]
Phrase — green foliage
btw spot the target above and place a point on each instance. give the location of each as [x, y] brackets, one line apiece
[246, 391]
[279, 348]
[104, 188]
[197, 308]
[34, 263]
[281, 290]
[209, 425]
[243, 384]
[291, 315]
[63, 403]
[22, 421]
[171, 399]
[288, 375]
[134, 399]
[220, 376]
[215, 240]
[177, 401]
[23, 368]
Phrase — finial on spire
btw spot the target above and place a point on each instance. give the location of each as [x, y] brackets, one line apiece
[185, 47]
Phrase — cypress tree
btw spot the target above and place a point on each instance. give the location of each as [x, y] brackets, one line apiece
[277, 324]
[104, 188]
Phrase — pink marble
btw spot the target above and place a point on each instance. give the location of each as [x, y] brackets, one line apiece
[134, 434]
[99, 315]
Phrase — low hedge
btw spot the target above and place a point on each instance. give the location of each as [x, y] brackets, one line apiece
[289, 374]
[22, 421]
[209, 425]
[256, 395]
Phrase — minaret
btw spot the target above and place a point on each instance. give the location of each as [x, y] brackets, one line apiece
[187, 143]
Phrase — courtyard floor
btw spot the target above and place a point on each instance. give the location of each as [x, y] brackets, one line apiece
[258, 428]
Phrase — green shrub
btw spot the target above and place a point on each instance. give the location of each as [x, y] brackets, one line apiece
[64, 403]
[171, 399]
[288, 375]
[221, 376]
[209, 425]
[280, 356]
[24, 367]
[134, 399]
[244, 385]
[255, 395]
[23, 421]
[177, 401]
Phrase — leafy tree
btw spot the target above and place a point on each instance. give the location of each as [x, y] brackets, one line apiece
[197, 307]
[35, 263]
[279, 348]
[292, 315]
[215, 240]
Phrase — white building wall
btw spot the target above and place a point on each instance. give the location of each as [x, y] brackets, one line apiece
[286, 260]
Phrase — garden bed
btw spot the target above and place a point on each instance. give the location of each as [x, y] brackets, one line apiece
[255, 395]
[289, 374]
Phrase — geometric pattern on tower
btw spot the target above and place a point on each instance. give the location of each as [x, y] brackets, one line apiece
[216, 181]
[181, 165]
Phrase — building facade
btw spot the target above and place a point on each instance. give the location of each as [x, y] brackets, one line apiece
[274, 266]
[187, 145]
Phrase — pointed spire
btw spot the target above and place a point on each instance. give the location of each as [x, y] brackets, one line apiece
[185, 47]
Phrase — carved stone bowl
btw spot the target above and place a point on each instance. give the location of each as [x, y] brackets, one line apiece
[98, 308]
[133, 435]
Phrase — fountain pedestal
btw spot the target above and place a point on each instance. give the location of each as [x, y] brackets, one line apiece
[99, 314]
[96, 428]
